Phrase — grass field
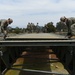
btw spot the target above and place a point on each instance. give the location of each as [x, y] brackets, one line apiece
[15, 72]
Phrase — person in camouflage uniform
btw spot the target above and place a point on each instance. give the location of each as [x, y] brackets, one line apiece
[70, 22]
[3, 26]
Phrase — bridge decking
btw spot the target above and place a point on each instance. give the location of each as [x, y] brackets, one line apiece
[41, 39]
[36, 36]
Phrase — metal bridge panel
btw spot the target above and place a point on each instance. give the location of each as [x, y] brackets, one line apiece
[38, 43]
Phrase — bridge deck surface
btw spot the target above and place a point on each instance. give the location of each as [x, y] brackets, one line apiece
[36, 35]
[40, 39]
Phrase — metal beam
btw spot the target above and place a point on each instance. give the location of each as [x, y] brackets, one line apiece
[38, 43]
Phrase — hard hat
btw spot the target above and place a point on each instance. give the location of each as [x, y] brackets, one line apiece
[10, 20]
[62, 18]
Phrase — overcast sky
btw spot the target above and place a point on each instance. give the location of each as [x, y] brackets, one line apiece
[41, 11]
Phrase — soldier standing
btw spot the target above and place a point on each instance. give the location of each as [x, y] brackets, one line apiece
[3, 26]
[70, 22]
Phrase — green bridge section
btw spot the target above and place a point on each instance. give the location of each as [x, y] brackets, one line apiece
[12, 48]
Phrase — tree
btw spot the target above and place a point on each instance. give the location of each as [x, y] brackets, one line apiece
[37, 28]
[61, 26]
[50, 27]
[30, 27]
[17, 30]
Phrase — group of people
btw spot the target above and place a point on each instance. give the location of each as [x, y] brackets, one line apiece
[69, 22]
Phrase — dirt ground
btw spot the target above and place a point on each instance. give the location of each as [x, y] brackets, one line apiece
[38, 61]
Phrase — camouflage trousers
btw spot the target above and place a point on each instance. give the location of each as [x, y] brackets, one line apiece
[73, 29]
[3, 33]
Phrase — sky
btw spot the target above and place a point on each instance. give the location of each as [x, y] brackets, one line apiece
[36, 11]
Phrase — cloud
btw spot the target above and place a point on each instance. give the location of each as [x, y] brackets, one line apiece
[42, 11]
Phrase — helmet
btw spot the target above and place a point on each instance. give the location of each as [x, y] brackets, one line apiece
[63, 18]
[10, 20]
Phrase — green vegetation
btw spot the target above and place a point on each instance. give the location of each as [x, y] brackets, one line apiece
[59, 68]
[50, 27]
[15, 72]
[61, 27]
[32, 28]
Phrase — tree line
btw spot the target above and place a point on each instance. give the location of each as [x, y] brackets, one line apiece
[32, 28]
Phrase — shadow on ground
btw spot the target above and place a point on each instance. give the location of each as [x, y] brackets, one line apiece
[36, 59]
